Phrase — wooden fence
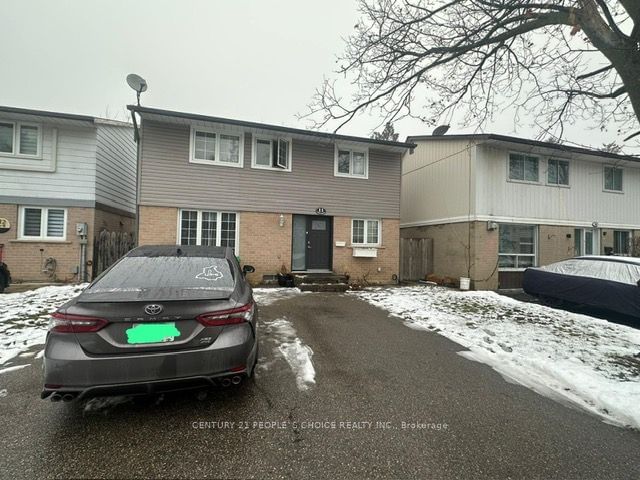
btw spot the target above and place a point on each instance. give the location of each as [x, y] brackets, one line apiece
[109, 247]
[416, 258]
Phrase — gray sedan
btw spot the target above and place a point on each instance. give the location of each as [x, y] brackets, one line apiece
[162, 318]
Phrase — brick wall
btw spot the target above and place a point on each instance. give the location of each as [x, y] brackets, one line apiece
[553, 244]
[373, 270]
[264, 244]
[26, 258]
[157, 225]
[113, 222]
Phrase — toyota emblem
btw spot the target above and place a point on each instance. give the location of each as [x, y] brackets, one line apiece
[153, 309]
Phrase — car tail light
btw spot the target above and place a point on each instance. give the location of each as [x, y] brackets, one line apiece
[66, 323]
[227, 317]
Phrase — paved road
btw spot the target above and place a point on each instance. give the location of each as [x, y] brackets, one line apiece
[370, 368]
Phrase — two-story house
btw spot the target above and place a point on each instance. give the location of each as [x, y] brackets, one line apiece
[63, 179]
[494, 205]
[283, 198]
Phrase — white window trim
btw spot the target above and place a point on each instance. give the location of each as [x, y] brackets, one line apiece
[351, 149]
[536, 243]
[218, 226]
[366, 234]
[16, 140]
[604, 179]
[44, 218]
[217, 162]
[254, 146]
[560, 185]
[528, 182]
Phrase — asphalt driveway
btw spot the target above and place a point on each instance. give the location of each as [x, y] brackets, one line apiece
[388, 401]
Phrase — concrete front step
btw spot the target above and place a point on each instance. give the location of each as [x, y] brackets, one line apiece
[323, 287]
[319, 278]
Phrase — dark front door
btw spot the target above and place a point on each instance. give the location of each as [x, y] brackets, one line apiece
[318, 243]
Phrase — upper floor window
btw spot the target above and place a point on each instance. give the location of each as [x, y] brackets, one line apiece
[216, 148]
[351, 163]
[523, 168]
[39, 223]
[612, 179]
[271, 153]
[557, 172]
[365, 232]
[20, 139]
[199, 227]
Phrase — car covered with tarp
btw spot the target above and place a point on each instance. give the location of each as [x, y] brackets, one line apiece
[607, 282]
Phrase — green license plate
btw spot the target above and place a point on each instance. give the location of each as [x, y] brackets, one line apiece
[152, 333]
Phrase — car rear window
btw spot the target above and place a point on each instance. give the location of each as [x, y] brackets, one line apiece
[167, 277]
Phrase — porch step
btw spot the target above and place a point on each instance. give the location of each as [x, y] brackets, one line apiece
[323, 287]
[319, 278]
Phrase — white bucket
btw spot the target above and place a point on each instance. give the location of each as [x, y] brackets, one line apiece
[465, 283]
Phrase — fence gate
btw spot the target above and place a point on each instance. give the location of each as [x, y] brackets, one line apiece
[109, 247]
[416, 258]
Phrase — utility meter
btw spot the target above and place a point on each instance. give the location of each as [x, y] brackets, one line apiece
[81, 229]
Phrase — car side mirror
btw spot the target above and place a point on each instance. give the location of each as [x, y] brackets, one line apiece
[248, 269]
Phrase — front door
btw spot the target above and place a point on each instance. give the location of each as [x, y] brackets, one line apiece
[318, 243]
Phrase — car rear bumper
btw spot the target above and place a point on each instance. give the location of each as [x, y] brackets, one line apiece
[69, 369]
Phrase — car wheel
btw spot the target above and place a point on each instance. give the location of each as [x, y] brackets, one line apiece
[3, 283]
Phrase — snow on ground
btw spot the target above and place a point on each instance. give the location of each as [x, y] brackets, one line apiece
[266, 296]
[573, 358]
[283, 335]
[24, 317]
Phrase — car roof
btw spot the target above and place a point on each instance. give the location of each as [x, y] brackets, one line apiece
[611, 258]
[181, 251]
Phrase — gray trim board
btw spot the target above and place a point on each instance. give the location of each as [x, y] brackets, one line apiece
[47, 202]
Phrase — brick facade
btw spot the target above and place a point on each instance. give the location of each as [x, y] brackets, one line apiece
[266, 245]
[555, 243]
[26, 258]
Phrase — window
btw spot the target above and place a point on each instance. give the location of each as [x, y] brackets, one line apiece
[198, 227]
[621, 242]
[523, 168]
[351, 163]
[613, 179]
[272, 153]
[39, 223]
[365, 232]
[557, 172]
[215, 148]
[517, 248]
[20, 139]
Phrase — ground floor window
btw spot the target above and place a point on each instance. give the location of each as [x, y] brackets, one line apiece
[210, 228]
[40, 223]
[518, 245]
[621, 242]
[365, 232]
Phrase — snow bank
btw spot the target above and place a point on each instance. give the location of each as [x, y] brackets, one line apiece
[24, 317]
[267, 296]
[573, 358]
[287, 344]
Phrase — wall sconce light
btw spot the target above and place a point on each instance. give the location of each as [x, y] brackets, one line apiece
[491, 226]
[281, 220]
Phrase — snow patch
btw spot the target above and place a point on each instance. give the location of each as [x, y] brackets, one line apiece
[15, 367]
[267, 296]
[24, 317]
[298, 355]
[571, 358]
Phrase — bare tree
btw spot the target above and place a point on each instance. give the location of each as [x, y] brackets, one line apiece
[563, 60]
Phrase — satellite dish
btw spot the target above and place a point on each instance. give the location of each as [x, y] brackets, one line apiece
[441, 130]
[138, 83]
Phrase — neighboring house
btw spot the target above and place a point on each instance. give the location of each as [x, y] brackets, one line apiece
[283, 198]
[58, 171]
[494, 205]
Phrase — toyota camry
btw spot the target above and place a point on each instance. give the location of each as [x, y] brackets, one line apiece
[161, 318]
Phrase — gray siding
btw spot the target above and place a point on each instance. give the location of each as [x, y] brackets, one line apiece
[116, 167]
[168, 179]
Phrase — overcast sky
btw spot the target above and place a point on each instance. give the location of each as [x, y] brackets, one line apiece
[257, 60]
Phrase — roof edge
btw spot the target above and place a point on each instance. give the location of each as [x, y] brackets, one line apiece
[46, 113]
[266, 126]
[526, 141]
